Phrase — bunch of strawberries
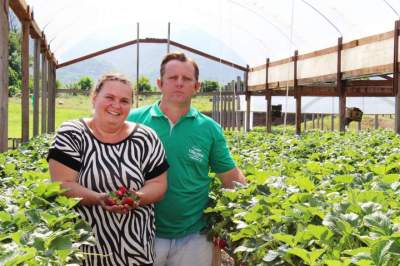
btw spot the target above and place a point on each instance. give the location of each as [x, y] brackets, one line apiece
[122, 197]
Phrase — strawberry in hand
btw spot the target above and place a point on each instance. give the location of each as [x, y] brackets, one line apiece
[121, 200]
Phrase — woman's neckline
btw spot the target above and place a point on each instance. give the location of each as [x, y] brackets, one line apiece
[85, 121]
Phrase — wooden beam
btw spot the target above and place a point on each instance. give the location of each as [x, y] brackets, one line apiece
[25, 81]
[44, 94]
[20, 9]
[36, 71]
[4, 76]
[396, 80]
[325, 51]
[156, 41]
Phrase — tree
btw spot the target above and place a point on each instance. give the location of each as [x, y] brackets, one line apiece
[14, 62]
[85, 83]
[209, 86]
[144, 84]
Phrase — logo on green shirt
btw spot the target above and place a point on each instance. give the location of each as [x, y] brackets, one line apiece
[196, 154]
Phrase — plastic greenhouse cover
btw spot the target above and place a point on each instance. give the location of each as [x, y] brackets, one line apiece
[241, 31]
[323, 105]
[251, 29]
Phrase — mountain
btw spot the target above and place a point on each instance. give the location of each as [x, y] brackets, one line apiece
[124, 61]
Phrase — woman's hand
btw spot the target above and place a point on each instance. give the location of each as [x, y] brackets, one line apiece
[110, 205]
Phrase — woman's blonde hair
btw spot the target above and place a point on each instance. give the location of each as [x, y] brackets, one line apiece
[110, 77]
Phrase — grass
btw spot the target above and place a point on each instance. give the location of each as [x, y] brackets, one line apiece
[70, 107]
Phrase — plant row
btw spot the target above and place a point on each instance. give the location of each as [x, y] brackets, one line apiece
[322, 198]
[37, 223]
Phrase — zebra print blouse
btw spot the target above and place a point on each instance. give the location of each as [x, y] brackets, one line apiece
[121, 239]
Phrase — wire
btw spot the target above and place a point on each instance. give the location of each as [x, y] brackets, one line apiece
[325, 17]
[288, 72]
[392, 8]
[263, 18]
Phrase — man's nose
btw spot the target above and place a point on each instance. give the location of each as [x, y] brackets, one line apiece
[180, 81]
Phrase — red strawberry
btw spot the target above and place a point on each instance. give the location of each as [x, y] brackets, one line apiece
[110, 201]
[121, 191]
[220, 243]
[128, 201]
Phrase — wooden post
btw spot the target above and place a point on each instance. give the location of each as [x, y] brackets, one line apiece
[51, 97]
[359, 126]
[44, 93]
[137, 66]
[332, 122]
[225, 110]
[239, 114]
[217, 109]
[305, 122]
[36, 71]
[268, 98]
[237, 103]
[216, 257]
[313, 120]
[322, 121]
[340, 88]
[297, 95]
[213, 107]
[25, 81]
[318, 121]
[169, 36]
[396, 80]
[248, 99]
[376, 121]
[4, 76]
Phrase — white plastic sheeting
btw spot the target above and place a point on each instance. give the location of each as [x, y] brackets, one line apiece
[323, 105]
[242, 31]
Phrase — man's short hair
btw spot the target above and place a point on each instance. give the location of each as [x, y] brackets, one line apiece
[180, 57]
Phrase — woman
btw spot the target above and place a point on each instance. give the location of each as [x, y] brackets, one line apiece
[95, 156]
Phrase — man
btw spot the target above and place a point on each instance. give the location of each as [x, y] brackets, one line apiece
[194, 143]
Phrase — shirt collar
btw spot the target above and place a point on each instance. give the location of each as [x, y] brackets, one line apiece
[155, 111]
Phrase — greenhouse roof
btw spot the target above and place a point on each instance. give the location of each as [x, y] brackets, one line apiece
[243, 32]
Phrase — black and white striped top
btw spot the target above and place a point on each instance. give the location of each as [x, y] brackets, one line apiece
[121, 239]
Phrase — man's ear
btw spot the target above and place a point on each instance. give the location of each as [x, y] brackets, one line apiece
[159, 83]
[197, 86]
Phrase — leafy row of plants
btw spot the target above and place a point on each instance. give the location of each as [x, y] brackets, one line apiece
[322, 198]
[37, 224]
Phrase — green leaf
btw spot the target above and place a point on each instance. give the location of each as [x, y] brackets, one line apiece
[305, 183]
[28, 254]
[288, 239]
[5, 217]
[320, 232]
[69, 203]
[345, 179]
[380, 252]
[308, 257]
[61, 243]
[243, 249]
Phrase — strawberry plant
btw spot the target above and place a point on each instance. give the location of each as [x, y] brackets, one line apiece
[322, 198]
[37, 223]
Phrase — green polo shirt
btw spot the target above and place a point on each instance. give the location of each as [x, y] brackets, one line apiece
[193, 145]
